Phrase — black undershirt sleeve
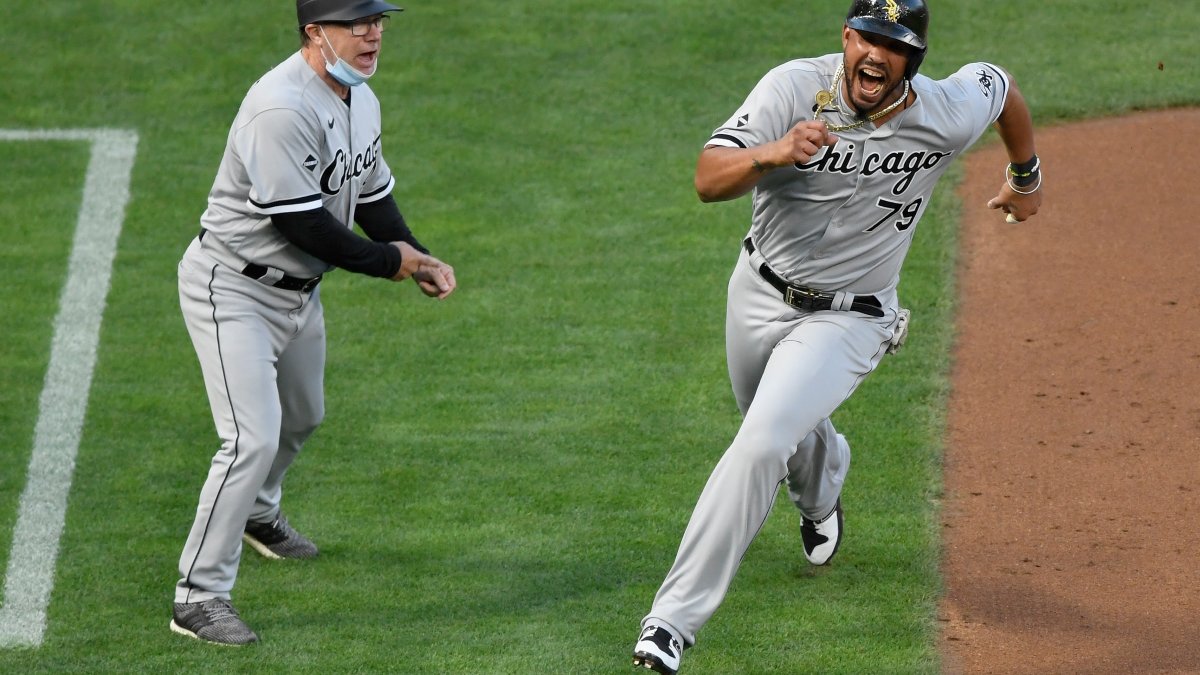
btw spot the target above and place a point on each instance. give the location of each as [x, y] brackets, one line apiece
[382, 221]
[318, 233]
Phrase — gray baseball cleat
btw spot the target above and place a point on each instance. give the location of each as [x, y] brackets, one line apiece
[214, 621]
[822, 537]
[658, 649]
[278, 540]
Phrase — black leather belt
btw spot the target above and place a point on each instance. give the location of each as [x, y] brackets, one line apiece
[287, 283]
[810, 299]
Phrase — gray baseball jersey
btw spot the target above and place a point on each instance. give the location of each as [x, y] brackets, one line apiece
[844, 220]
[841, 223]
[294, 146]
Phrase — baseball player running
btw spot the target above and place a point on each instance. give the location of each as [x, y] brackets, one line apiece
[302, 163]
[841, 153]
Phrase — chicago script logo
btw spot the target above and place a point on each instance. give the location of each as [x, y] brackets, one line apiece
[904, 164]
[343, 167]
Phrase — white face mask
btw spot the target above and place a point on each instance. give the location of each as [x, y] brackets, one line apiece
[341, 71]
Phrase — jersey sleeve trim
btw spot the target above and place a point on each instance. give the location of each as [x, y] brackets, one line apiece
[376, 195]
[727, 141]
[306, 203]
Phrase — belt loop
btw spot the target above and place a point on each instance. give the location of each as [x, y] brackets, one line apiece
[842, 301]
[756, 258]
[270, 275]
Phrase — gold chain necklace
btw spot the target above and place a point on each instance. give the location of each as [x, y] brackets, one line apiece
[828, 96]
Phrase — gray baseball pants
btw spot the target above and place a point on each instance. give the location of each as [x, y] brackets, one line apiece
[262, 354]
[789, 370]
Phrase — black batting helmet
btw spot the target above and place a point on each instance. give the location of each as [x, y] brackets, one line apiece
[316, 11]
[904, 20]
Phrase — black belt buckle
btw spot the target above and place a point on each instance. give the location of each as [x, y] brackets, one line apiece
[802, 298]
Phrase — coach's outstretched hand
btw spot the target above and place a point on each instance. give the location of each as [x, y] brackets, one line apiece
[434, 277]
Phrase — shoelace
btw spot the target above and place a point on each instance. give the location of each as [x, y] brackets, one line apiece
[219, 609]
[281, 524]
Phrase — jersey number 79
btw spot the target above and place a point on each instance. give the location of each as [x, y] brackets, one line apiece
[907, 214]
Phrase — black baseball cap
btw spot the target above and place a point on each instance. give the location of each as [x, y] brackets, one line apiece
[316, 11]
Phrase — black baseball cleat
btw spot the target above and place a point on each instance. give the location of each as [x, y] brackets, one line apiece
[822, 537]
[214, 621]
[277, 540]
[657, 649]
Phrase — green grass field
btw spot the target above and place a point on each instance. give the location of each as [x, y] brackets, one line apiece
[503, 477]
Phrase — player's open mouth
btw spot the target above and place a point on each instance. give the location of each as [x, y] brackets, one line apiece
[871, 81]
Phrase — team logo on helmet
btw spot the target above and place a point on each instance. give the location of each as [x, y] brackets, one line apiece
[893, 11]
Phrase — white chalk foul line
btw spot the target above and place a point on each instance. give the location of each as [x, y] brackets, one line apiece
[43, 507]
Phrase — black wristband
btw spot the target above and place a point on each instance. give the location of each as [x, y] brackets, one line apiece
[1025, 168]
[1025, 173]
[1026, 180]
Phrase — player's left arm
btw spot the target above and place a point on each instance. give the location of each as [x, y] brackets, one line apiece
[1021, 195]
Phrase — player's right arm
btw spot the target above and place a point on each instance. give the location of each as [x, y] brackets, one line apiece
[769, 130]
[724, 173]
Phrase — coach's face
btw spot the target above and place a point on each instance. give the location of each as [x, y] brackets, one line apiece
[874, 69]
[357, 43]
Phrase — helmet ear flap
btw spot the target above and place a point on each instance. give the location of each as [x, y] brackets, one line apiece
[914, 62]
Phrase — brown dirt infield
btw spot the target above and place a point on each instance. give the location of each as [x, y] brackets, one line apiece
[1071, 520]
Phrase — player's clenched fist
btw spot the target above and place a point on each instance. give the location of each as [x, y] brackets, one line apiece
[1019, 206]
[801, 143]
